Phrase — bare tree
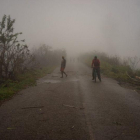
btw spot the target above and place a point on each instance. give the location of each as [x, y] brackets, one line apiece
[13, 53]
[45, 56]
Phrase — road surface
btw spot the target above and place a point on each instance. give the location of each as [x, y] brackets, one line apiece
[72, 108]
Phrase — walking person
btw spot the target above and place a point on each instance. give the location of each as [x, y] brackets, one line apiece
[96, 66]
[63, 65]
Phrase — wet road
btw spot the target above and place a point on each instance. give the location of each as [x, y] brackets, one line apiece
[72, 108]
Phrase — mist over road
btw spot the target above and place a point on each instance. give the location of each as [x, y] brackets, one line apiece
[72, 108]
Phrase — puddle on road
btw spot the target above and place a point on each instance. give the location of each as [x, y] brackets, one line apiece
[52, 81]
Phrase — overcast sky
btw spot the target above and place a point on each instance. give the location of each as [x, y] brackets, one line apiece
[112, 26]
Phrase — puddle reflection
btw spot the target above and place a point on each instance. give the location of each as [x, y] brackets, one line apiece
[52, 81]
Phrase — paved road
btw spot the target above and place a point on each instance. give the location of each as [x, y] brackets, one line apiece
[72, 108]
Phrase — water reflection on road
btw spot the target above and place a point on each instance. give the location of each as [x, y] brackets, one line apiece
[53, 81]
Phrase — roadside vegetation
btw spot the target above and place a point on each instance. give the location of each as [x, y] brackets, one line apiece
[125, 71]
[10, 87]
[20, 66]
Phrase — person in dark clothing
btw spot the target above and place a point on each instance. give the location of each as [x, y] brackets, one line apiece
[63, 65]
[96, 66]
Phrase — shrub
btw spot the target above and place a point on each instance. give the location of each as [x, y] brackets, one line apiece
[13, 53]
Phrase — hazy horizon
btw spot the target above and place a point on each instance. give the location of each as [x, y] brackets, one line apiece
[111, 26]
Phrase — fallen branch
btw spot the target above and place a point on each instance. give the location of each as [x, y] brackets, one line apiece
[130, 76]
[32, 107]
[73, 106]
[134, 80]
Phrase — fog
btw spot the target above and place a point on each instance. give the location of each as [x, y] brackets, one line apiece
[111, 26]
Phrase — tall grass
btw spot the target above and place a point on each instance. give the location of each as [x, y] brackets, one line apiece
[112, 66]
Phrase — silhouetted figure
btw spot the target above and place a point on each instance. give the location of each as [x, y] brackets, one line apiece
[63, 65]
[96, 66]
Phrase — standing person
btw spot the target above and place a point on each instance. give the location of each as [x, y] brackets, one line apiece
[96, 66]
[63, 65]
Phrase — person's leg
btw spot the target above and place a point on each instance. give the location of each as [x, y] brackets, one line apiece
[65, 73]
[98, 73]
[100, 76]
[93, 70]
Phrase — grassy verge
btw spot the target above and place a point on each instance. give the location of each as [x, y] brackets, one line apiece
[9, 88]
[112, 67]
[120, 73]
[116, 72]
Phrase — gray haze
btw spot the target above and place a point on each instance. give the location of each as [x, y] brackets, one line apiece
[111, 26]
